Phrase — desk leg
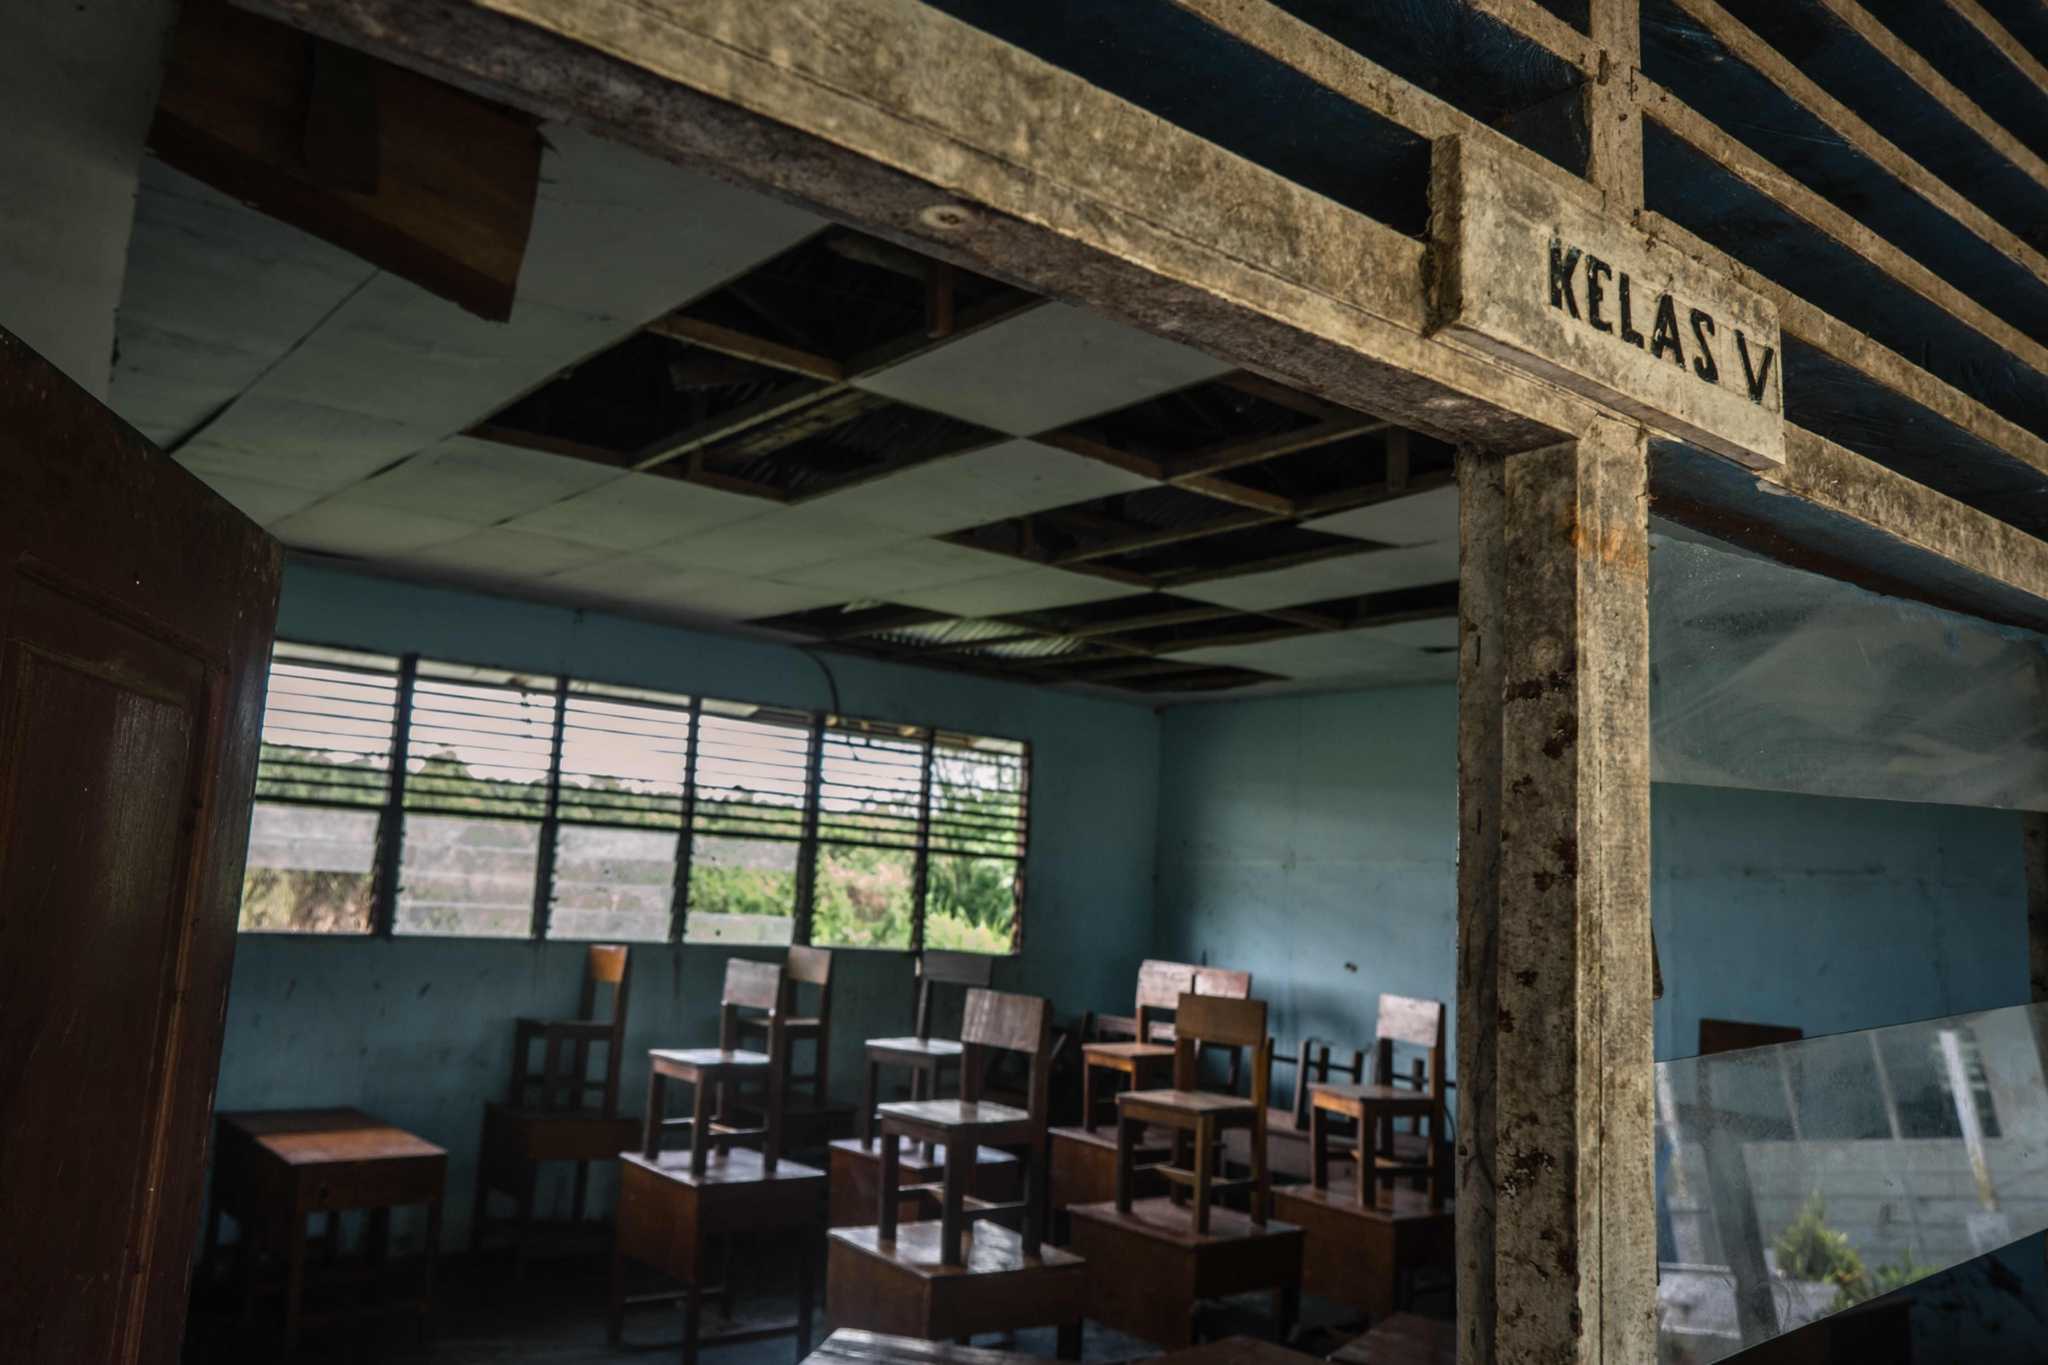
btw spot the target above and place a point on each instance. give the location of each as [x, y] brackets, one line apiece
[1069, 1347]
[693, 1317]
[294, 1281]
[807, 1252]
[615, 1310]
[700, 1127]
[432, 1253]
[891, 1183]
[952, 1194]
[1126, 1162]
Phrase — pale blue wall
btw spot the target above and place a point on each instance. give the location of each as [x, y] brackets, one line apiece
[418, 1031]
[1313, 841]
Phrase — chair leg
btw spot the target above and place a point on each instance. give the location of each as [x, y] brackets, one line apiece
[1126, 1162]
[1069, 1347]
[867, 1106]
[1034, 1182]
[1087, 1096]
[952, 1195]
[580, 1202]
[480, 1208]
[522, 1226]
[700, 1126]
[1205, 1138]
[806, 1290]
[693, 1319]
[1319, 1148]
[615, 1310]
[891, 1183]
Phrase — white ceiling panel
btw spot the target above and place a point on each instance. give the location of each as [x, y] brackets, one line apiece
[510, 556]
[481, 482]
[635, 511]
[213, 293]
[1341, 576]
[362, 531]
[776, 541]
[1043, 369]
[295, 445]
[895, 570]
[1032, 588]
[1009, 479]
[644, 582]
[1419, 519]
[263, 503]
[1322, 656]
[618, 232]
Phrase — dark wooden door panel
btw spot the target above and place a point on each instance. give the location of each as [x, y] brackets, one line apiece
[135, 614]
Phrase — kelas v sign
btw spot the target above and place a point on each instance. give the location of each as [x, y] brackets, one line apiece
[1537, 278]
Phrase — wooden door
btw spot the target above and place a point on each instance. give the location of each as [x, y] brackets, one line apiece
[135, 617]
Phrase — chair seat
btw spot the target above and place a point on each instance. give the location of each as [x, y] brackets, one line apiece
[937, 1049]
[1190, 1102]
[953, 1116]
[706, 1061]
[1114, 1053]
[1346, 1098]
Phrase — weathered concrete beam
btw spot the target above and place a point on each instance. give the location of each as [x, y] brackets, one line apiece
[1558, 1182]
[1010, 166]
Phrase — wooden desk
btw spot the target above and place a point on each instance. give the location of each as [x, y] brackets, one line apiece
[1367, 1255]
[274, 1169]
[1150, 1267]
[1403, 1339]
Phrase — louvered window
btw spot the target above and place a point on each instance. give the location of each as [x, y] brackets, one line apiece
[621, 800]
[749, 821]
[479, 750]
[423, 797]
[321, 783]
[979, 826]
[871, 794]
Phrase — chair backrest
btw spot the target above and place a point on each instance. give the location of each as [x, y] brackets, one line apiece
[939, 968]
[806, 966]
[606, 964]
[1160, 987]
[1000, 1021]
[1232, 985]
[1219, 1021]
[1313, 1066]
[1420, 1023]
[749, 985]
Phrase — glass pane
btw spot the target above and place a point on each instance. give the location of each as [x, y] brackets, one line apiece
[753, 770]
[971, 904]
[624, 756]
[327, 725]
[480, 741]
[467, 877]
[311, 870]
[864, 898]
[1798, 1180]
[613, 883]
[741, 890]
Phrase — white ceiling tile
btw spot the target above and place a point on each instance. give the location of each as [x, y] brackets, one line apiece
[1324, 656]
[263, 503]
[645, 582]
[508, 556]
[297, 445]
[620, 233]
[635, 511]
[1438, 632]
[897, 569]
[360, 531]
[776, 541]
[1032, 588]
[1324, 579]
[1044, 369]
[1419, 519]
[1009, 479]
[481, 482]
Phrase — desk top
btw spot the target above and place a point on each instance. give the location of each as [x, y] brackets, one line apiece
[314, 1137]
[850, 1347]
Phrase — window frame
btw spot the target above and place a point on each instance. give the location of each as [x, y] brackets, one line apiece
[811, 842]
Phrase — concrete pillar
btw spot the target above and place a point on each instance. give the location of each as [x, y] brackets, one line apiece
[1556, 1221]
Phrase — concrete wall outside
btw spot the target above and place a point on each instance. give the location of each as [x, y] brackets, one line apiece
[418, 1031]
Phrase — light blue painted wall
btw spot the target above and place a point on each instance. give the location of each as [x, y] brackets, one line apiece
[418, 1031]
[1313, 841]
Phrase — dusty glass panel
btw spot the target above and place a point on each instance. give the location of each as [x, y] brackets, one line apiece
[1799, 1180]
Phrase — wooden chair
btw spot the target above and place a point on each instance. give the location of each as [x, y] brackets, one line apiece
[1375, 1108]
[724, 1071]
[560, 1113]
[1198, 1117]
[924, 1056]
[810, 967]
[1147, 1058]
[994, 1021]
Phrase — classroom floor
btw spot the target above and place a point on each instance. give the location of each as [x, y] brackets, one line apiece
[557, 1318]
